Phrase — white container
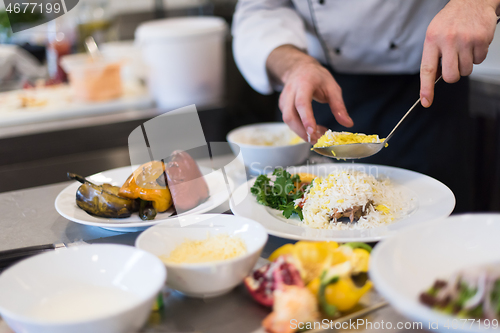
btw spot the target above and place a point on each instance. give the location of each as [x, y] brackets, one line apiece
[205, 279]
[185, 60]
[132, 69]
[93, 80]
[103, 288]
[264, 159]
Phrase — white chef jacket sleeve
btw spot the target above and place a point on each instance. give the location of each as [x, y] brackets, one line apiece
[260, 26]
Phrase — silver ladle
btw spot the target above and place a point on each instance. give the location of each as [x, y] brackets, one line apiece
[361, 150]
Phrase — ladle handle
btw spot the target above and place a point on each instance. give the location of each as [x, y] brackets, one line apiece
[407, 113]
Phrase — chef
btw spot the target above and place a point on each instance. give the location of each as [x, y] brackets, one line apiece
[361, 64]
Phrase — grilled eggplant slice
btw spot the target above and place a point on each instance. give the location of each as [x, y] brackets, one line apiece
[102, 200]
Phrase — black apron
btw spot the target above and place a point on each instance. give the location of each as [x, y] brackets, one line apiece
[435, 141]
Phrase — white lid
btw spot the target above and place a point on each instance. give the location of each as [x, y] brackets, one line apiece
[180, 28]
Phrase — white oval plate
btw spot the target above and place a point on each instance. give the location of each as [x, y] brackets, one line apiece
[403, 266]
[431, 200]
[66, 202]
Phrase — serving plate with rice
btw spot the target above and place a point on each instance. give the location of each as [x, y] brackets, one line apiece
[352, 202]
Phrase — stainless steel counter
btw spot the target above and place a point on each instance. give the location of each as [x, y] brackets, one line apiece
[28, 217]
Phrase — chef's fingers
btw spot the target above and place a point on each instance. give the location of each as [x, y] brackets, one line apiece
[428, 70]
[289, 113]
[337, 106]
[465, 61]
[479, 53]
[449, 65]
[303, 104]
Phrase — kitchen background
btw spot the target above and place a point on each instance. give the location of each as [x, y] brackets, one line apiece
[47, 131]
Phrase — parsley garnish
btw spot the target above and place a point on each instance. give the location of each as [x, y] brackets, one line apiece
[279, 194]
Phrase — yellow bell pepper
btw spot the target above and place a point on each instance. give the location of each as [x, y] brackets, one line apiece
[360, 261]
[326, 269]
[143, 184]
[341, 255]
[311, 258]
[342, 294]
[283, 250]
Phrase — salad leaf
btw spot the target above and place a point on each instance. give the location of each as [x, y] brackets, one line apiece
[360, 245]
[477, 312]
[280, 193]
[464, 294]
[290, 209]
[259, 189]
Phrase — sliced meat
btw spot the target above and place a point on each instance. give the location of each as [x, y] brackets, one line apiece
[439, 284]
[428, 300]
[336, 214]
[353, 213]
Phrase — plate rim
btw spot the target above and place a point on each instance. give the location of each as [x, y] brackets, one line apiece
[133, 225]
[290, 236]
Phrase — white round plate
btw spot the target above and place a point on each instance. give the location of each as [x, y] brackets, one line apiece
[66, 202]
[403, 266]
[430, 200]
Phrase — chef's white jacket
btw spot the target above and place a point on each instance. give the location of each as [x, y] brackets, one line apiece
[352, 36]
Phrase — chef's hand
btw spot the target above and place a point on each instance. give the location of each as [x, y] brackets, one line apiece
[460, 35]
[304, 79]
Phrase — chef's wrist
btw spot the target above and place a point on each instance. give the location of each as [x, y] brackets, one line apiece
[284, 60]
[494, 4]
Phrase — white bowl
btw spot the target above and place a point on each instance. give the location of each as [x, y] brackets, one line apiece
[205, 279]
[265, 159]
[407, 264]
[91, 288]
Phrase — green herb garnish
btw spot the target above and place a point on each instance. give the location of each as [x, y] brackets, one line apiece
[464, 294]
[279, 194]
[325, 281]
[495, 296]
